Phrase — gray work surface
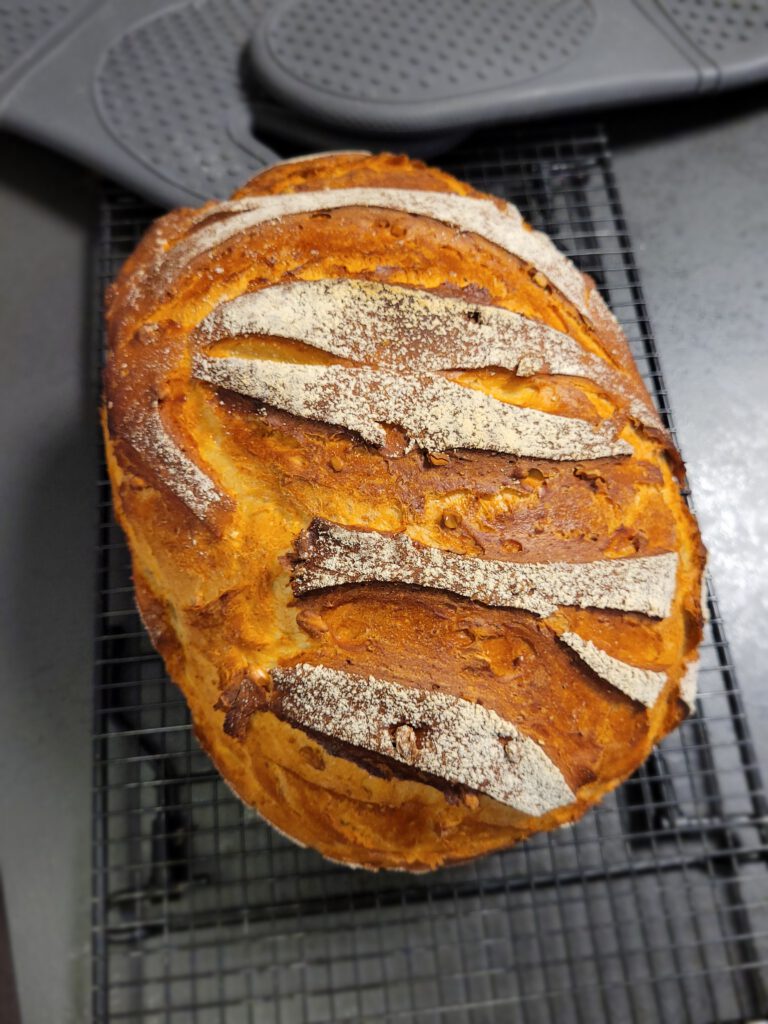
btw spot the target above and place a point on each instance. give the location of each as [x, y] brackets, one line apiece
[693, 180]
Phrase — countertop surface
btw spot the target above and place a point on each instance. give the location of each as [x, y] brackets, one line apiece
[693, 182]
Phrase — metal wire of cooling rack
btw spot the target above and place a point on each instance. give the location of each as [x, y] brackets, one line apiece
[653, 908]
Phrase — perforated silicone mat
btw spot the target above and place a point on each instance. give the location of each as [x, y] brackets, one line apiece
[181, 101]
[147, 92]
[651, 910]
[405, 66]
[156, 94]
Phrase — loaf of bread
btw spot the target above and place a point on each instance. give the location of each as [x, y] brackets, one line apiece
[405, 525]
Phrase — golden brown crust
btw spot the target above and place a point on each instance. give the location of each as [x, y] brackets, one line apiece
[211, 536]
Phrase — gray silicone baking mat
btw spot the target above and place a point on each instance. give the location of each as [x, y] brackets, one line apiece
[154, 93]
[654, 908]
[416, 66]
[181, 101]
[146, 91]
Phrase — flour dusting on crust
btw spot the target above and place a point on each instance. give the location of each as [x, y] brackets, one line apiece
[330, 555]
[397, 327]
[451, 738]
[435, 413]
[322, 155]
[641, 684]
[408, 329]
[180, 474]
[504, 227]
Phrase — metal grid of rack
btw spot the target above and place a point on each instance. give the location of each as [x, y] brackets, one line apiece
[653, 908]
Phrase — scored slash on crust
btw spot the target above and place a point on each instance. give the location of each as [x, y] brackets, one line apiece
[369, 321]
[331, 555]
[436, 414]
[503, 226]
[433, 732]
[150, 437]
[641, 684]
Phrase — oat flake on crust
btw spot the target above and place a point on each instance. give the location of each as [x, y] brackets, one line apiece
[689, 684]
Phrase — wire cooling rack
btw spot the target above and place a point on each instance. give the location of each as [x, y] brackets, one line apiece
[653, 908]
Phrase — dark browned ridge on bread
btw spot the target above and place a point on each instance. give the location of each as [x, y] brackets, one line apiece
[405, 525]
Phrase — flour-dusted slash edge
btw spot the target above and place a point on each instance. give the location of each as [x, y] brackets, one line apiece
[435, 413]
[368, 321]
[503, 227]
[641, 684]
[180, 474]
[436, 733]
[329, 555]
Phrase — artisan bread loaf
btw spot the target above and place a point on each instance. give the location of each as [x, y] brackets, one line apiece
[405, 525]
